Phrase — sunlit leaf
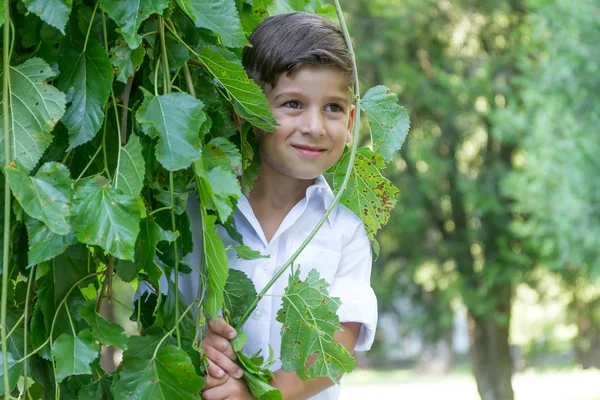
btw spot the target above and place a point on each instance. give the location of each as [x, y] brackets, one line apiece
[168, 376]
[52, 12]
[216, 264]
[106, 217]
[106, 332]
[309, 321]
[220, 16]
[44, 244]
[239, 293]
[221, 152]
[248, 98]
[86, 79]
[131, 169]
[126, 61]
[74, 354]
[388, 120]
[260, 387]
[35, 108]
[368, 195]
[219, 189]
[178, 117]
[45, 196]
[129, 15]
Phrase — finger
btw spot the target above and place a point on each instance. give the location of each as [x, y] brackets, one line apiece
[222, 328]
[214, 381]
[219, 343]
[217, 393]
[222, 362]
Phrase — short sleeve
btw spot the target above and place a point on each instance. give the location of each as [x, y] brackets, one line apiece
[352, 285]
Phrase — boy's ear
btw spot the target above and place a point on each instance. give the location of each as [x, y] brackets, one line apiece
[350, 127]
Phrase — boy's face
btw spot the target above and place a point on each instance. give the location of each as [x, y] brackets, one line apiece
[315, 117]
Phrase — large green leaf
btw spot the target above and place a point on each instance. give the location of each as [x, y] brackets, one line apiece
[106, 217]
[129, 15]
[125, 60]
[388, 120]
[219, 189]
[368, 195]
[86, 78]
[52, 12]
[35, 107]
[45, 196]
[168, 376]
[239, 293]
[216, 264]
[14, 371]
[106, 332]
[248, 98]
[178, 117]
[132, 168]
[44, 244]
[309, 321]
[220, 16]
[74, 354]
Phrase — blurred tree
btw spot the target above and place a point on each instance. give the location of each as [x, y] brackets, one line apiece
[555, 118]
[453, 65]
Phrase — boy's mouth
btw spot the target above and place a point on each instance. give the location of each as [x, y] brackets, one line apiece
[309, 151]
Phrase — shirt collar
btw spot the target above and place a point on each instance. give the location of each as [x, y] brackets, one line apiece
[320, 189]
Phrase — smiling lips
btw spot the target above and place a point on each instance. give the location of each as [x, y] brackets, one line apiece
[309, 151]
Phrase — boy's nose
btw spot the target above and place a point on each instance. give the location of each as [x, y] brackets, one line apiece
[313, 123]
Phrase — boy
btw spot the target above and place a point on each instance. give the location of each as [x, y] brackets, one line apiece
[302, 64]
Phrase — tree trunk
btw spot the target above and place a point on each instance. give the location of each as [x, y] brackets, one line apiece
[490, 356]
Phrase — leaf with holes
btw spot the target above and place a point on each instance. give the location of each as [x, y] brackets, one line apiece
[106, 217]
[35, 108]
[388, 120]
[368, 195]
[220, 16]
[74, 354]
[129, 15]
[86, 79]
[45, 196]
[178, 118]
[52, 12]
[309, 321]
[168, 376]
[131, 169]
[248, 98]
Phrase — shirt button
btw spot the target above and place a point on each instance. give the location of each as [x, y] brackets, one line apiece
[256, 314]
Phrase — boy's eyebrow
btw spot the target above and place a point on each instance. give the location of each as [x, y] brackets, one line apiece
[334, 99]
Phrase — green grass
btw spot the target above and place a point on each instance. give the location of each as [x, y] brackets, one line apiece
[529, 385]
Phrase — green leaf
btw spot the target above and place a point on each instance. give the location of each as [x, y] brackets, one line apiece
[52, 12]
[99, 389]
[388, 120]
[239, 293]
[260, 388]
[220, 16]
[36, 107]
[169, 376]
[44, 244]
[126, 61]
[14, 372]
[106, 217]
[248, 98]
[86, 78]
[74, 355]
[239, 341]
[309, 321]
[222, 187]
[2, 11]
[286, 6]
[178, 117]
[246, 253]
[131, 169]
[221, 152]
[250, 158]
[216, 264]
[106, 332]
[129, 15]
[368, 195]
[44, 196]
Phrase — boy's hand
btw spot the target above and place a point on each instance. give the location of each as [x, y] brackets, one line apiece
[226, 388]
[219, 351]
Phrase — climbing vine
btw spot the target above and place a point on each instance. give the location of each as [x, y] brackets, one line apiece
[114, 113]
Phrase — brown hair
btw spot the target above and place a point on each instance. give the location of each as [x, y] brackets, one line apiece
[286, 43]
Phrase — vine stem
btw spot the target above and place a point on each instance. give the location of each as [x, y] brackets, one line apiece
[25, 331]
[167, 89]
[342, 188]
[5, 99]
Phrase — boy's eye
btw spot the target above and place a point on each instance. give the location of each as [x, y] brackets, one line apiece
[292, 104]
[334, 108]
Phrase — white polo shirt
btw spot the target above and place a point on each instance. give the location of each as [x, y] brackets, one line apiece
[340, 251]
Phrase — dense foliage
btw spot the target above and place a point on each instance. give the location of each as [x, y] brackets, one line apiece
[114, 113]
